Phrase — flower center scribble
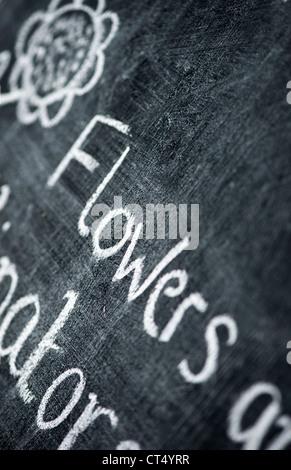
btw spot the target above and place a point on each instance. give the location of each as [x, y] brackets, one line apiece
[60, 55]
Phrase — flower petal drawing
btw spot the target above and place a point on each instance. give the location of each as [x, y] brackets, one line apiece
[59, 55]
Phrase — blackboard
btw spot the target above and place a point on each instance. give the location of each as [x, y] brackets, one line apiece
[155, 102]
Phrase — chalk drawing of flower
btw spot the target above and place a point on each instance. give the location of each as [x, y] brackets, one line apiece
[59, 55]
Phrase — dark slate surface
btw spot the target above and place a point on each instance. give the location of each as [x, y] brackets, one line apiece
[202, 85]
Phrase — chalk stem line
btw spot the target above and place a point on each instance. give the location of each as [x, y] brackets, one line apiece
[8, 98]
